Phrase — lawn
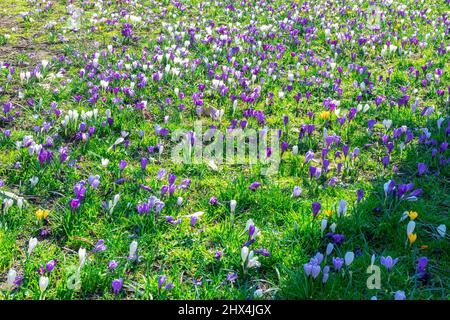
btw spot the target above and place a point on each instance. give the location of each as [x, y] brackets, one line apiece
[127, 131]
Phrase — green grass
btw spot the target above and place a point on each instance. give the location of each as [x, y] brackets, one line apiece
[185, 254]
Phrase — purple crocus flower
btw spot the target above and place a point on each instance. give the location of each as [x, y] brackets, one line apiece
[400, 295]
[359, 195]
[388, 262]
[94, 181]
[51, 265]
[422, 168]
[75, 204]
[171, 179]
[122, 165]
[194, 220]
[112, 265]
[315, 270]
[336, 237]
[161, 281]
[338, 263]
[309, 156]
[232, 277]
[116, 285]
[169, 285]
[422, 265]
[100, 246]
[255, 185]
[385, 161]
[316, 206]
[144, 162]
[308, 268]
[213, 201]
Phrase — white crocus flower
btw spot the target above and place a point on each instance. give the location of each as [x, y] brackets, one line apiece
[410, 227]
[349, 256]
[133, 248]
[12, 274]
[442, 229]
[43, 283]
[323, 225]
[342, 209]
[82, 256]
[32, 244]
[330, 248]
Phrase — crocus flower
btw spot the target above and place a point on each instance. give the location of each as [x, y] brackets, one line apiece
[213, 200]
[412, 215]
[218, 254]
[316, 208]
[122, 165]
[255, 185]
[144, 162]
[323, 225]
[410, 227]
[263, 252]
[41, 214]
[194, 220]
[133, 251]
[50, 265]
[412, 238]
[116, 285]
[337, 263]
[233, 204]
[342, 209]
[11, 278]
[442, 230]
[359, 194]
[400, 295]
[388, 262]
[161, 281]
[248, 258]
[422, 168]
[43, 283]
[31, 245]
[100, 246]
[82, 256]
[422, 264]
[296, 192]
[232, 277]
[112, 265]
[329, 249]
[94, 181]
[349, 256]
[326, 271]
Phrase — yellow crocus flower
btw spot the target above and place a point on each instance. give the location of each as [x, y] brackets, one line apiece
[325, 115]
[412, 238]
[412, 215]
[41, 214]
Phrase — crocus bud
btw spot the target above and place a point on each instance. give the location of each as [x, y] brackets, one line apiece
[82, 256]
[330, 248]
[233, 204]
[244, 254]
[323, 225]
[12, 274]
[410, 227]
[43, 283]
[349, 256]
[442, 229]
[31, 245]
